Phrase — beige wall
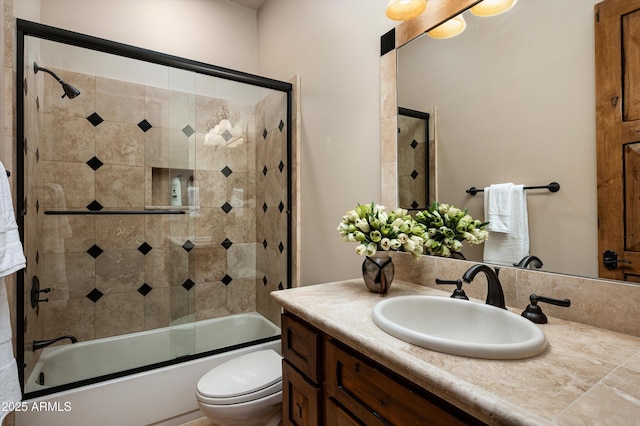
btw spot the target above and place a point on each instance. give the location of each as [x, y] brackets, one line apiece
[335, 47]
[216, 32]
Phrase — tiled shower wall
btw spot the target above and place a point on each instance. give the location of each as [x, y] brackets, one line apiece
[116, 147]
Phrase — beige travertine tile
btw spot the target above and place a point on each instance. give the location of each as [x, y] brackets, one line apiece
[241, 295]
[208, 263]
[75, 180]
[119, 271]
[120, 101]
[157, 308]
[75, 316]
[612, 402]
[157, 264]
[120, 187]
[68, 139]
[119, 313]
[156, 106]
[119, 144]
[116, 232]
[211, 300]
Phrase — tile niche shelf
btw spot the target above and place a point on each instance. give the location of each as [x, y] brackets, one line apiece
[160, 188]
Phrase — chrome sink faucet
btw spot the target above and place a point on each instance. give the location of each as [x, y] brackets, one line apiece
[495, 295]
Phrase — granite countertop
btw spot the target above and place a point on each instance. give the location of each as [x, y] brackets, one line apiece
[586, 375]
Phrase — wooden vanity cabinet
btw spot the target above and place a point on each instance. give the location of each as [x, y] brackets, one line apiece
[301, 373]
[336, 385]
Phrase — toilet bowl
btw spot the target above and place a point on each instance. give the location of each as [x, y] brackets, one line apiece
[246, 390]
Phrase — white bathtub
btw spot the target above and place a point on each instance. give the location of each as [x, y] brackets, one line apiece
[163, 396]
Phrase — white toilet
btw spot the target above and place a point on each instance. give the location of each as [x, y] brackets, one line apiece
[246, 390]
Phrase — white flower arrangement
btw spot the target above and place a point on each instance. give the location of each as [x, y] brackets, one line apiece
[374, 230]
[447, 227]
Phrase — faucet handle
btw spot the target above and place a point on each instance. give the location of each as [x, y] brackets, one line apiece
[458, 293]
[534, 313]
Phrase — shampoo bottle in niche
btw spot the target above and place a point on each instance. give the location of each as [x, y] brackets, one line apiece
[176, 191]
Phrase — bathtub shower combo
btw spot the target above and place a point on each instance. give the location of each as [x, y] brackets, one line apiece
[155, 200]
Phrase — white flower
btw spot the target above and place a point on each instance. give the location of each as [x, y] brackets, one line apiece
[371, 249]
[363, 225]
[361, 250]
[385, 243]
[403, 238]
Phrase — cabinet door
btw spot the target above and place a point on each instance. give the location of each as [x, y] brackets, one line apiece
[300, 398]
[376, 396]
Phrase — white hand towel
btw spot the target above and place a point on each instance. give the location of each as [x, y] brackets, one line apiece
[11, 260]
[11, 252]
[508, 227]
[9, 383]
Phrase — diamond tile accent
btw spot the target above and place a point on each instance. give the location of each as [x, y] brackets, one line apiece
[281, 247]
[38, 104]
[280, 206]
[37, 206]
[144, 248]
[227, 243]
[144, 125]
[264, 207]
[95, 251]
[280, 286]
[37, 257]
[226, 207]
[264, 244]
[95, 295]
[144, 289]
[94, 206]
[188, 246]
[281, 166]
[95, 119]
[264, 280]
[188, 130]
[281, 125]
[95, 163]
[188, 284]
[264, 134]
[414, 174]
[415, 204]
[265, 170]
[226, 135]
[226, 280]
[414, 144]
[226, 171]
[37, 152]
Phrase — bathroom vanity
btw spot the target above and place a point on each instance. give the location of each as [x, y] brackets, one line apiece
[340, 368]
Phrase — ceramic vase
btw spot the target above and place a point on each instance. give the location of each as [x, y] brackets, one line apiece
[377, 271]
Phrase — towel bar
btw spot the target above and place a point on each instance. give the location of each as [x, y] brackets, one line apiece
[552, 187]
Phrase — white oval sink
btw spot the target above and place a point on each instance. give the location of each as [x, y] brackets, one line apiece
[459, 327]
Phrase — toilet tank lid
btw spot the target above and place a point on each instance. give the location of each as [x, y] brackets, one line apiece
[242, 375]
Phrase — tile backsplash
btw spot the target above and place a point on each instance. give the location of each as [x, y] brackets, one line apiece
[611, 305]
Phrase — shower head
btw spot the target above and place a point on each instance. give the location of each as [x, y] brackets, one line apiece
[69, 91]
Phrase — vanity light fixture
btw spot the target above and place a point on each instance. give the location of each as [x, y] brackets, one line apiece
[488, 8]
[450, 28]
[403, 10]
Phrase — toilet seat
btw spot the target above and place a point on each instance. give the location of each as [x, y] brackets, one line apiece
[246, 378]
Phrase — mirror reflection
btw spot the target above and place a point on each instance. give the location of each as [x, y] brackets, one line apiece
[416, 182]
[515, 103]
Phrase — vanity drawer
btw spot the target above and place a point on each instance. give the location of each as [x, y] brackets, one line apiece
[301, 345]
[376, 396]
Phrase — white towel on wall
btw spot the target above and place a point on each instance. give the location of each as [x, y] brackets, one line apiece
[505, 208]
[9, 383]
[11, 260]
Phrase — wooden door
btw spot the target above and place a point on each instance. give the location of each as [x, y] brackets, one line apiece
[617, 54]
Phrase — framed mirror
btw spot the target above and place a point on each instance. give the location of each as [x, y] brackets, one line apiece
[515, 101]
